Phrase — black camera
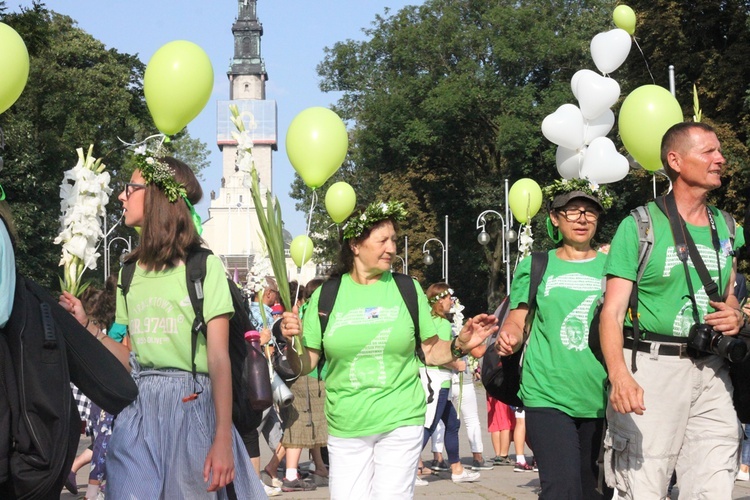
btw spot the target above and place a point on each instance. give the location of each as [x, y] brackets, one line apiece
[705, 339]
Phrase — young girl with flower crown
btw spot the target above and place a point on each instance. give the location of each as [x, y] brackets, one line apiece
[177, 439]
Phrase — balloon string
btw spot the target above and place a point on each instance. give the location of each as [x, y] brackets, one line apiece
[144, 141]
[313, 202]
[644, 60]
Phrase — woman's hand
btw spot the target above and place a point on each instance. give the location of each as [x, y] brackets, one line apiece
[475, 331]
[506, 343]
[291, 325]
[73, 305]
[219, 464]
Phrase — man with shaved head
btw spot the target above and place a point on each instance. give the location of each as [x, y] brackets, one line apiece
[670, 406]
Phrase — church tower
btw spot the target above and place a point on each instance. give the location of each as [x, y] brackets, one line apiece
[232, 229]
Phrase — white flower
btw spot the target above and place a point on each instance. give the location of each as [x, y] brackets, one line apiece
[84, 194]
[525, 241]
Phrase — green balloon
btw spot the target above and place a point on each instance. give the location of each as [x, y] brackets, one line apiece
[624, 18]
[177, 84]
[525, 199]
[645, 116]
[14, 66]
[301, 250]
[340, 201]
[316, 144]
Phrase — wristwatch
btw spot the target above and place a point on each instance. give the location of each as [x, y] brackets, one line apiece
[456, 351]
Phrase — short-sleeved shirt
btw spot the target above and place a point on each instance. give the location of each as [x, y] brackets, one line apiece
[372, 384]
[439, 374]
[159, 315]
[664, 304]
[559, 370]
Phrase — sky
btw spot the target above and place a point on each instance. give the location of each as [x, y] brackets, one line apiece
[295, 32]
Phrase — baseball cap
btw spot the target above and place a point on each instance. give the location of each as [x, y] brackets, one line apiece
[563, 199]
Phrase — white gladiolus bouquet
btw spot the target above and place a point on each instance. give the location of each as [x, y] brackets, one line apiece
[84, 194]
[525, 241]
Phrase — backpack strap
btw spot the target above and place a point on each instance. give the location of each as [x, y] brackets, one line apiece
[539, 262]
[328, 292]
[645, 228]
[408, 292]
[195, 275]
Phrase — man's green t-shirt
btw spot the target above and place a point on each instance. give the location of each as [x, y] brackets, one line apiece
[438, 373]
[559, 370]
[664, 304]
[159, 315]
[372, 384]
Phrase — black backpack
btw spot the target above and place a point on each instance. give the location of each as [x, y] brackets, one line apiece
[501, 375]
[405, 284]
[42, 349]
[195, 273]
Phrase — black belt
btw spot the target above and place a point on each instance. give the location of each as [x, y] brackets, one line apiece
[663, 349]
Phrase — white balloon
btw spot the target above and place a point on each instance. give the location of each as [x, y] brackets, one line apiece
[577, 77]
[596, 94]
[602, 163]
[598, 127]
[610, 49]
[564, 127]
[569, 162]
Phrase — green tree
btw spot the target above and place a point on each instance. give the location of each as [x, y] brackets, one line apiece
[447, 98]
[78, 93]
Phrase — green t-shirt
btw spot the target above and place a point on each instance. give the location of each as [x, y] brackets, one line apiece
[160, 317]
[559, 369]
[372, 384]
[445, 332]
[664, 304]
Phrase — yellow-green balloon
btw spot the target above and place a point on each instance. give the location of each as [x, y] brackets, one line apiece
[177, 84]
[624, 18]
[525, 199]
[301, 250]
[14, 66]
[340, 201]
[316, 144]
[646, 113]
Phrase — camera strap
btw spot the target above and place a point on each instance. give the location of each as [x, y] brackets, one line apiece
[684, 246]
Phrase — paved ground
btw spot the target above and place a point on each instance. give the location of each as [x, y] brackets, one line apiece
[501, 483]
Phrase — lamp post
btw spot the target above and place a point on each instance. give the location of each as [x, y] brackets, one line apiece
[107, 243]
[403, 263]
[507, 233]
[428, 260]
[406, 255]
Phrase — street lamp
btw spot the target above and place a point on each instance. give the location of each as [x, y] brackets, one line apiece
[403, 263]
[428, 260]
[107, 244]
[508, 234]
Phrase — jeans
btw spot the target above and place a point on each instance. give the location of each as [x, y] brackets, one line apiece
[746, 446]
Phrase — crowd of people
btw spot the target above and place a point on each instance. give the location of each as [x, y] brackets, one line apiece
[625, 385]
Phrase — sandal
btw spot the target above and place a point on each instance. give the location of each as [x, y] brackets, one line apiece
[424, 471]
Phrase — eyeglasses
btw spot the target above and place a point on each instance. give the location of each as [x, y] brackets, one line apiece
[574, 214]
[132, 187]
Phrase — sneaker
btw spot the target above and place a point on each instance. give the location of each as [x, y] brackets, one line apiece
[523, 467]
[743, 476]
[271, 491]
[535, 466]
[297, 485]
[420, 482]
[482, 465]
[506, 460]
[466, 476]
[439, 466]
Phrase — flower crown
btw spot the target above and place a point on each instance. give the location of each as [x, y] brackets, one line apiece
[562, 186]
[155, 171]
[374, 213]
[442, 294]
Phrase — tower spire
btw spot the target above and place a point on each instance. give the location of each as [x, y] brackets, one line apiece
[247, 31]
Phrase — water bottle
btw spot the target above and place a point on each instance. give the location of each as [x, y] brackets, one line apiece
[257, 377]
